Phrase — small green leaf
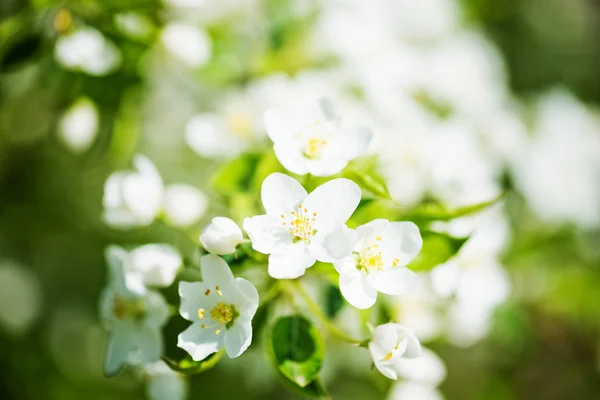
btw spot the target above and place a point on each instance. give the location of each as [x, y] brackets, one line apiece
[267, 165]
[236, 175]
[437, 249]
[333, 301]
[297, 349]
[437, 212]
[365, 172]
[188, 366]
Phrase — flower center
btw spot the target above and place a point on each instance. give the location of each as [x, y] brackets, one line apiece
[300, 224]
[370, 256]
[240, 125]
[223, 313]
[123, 308]
[314, 140]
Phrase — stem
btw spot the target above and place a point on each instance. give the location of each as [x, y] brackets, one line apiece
[314, 308]
[271, 294]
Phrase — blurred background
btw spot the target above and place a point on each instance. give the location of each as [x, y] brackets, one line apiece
[469, 100]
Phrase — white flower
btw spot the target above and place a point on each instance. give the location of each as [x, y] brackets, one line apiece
[296, 223]
[221, 236]
[428, 369]
[190, 45]
[133, 316]
[373, 259]
[414, 391]
[184, 204]
[155, 264]
[391, 342]
[87, 50]
[133, 198]
[78, 125]
[220, 308]
[315, 143]
[163, 383]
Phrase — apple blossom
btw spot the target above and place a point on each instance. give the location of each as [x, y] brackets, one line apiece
[315, 143]
[296, 224]
[373, 259]
[133, 316]
[220, 308]
[221, 236]
[133, 198]
[155, 264]
[392, 342]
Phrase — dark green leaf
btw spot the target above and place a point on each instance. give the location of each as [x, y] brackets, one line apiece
[21, 52]
[188, 366]
[333, 301]
[437, 249]
[297, 349]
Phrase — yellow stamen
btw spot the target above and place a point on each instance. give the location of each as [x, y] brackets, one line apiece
[201, 313]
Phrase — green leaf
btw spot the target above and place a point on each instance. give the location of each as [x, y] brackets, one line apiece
[365, 172]
[437, 212]
[297, 349]
[333, 301]
[188, 366]
[21, 52]
[267, 165]
[437, 249]
[235, 176]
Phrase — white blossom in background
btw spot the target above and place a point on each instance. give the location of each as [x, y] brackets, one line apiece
[189, 44]
[154, 264]
[392, 342]
[314, 143]
[373, 259]
[87, 50]
[421, 375]
[184, 205]
[414, 390]
[21, 297]
[296, 224]
[474, 279]
[132, 315]
[133, 198]
[162, 383]
[134, 25]
[559, 171]
[421, 310]
[221, 236]
[78, 126]
[220, 308]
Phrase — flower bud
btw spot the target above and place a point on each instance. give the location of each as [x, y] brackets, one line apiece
[221, 236]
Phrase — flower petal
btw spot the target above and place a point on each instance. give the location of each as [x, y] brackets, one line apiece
[200, 342]
[357, 290]
[143, 191]
[238, 338]
[118, 345]
[215, 271]
[280, 194]
[279, 126]
[334, 245]
[246, 300]
[351, 143]
[291, 157]
[292, 263]
[157, 264]
[325, 166]
[394, 281]
[402, 240]
[413, 348]
[334, 202]
[266, 233]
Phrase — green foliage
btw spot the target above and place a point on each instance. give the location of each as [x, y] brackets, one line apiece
[437, 249]
[297, 350]
[365, 172]
[333, 301]
[188, 366]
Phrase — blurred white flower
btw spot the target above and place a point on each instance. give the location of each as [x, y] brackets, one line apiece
[559, 172]
[421, 310]
[424, 20]
[189, 44]
[132, 315]
[373, 259]
[220, 308]
[427, 369]
[414, 391]
[133, 198]
[392, 342]
[162, 383]
[20, 297]
[315, 143]
[154, 264]
[184, 205]
[221, 236]
[87, 50]
[78, 126]
[296, 223]
[134, 25]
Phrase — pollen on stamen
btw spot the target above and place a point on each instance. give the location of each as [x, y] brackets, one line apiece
[387, 357]
[219, 293]
[217, 332]
[203, 326]
[207, 292]
[201, 313]
[378, 238]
